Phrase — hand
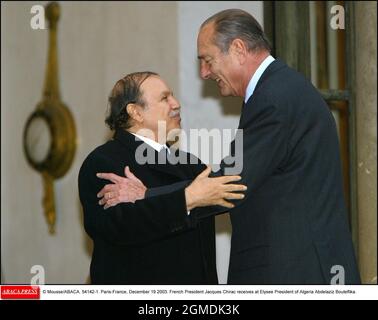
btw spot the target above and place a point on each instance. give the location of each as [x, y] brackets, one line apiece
[127, 189]
[205, 191]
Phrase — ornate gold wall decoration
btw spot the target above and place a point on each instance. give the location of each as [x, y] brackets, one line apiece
[50, 134]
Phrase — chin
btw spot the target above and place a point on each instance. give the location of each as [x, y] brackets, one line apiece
[177, 123]
[228, 93]
[174, 133]
[224, 92]
[174, 127]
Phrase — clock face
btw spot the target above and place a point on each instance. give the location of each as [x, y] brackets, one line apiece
[38, 139]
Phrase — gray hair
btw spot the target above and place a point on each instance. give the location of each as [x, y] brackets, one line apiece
[233, 24]
[126, 90]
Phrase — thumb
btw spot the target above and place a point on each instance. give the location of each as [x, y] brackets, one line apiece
[130, 175]
[206, 172]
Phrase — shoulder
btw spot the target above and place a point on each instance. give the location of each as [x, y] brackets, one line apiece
[287, 82]
[97, 157]
[287, 88]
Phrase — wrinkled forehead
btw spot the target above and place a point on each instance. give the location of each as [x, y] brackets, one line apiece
[205, 34]
[154, 86]
[205, 38]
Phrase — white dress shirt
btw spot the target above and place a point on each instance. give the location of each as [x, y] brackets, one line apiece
[256, 77]
[152, 143]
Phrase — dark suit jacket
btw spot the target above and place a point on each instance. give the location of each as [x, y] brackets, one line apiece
[152, 241]
[292, 226]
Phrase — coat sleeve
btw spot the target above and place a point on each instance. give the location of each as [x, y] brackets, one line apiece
[153, 192]
[130, 223]
[196, 167]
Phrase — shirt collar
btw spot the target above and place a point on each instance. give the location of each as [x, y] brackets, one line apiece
[153, 144]
[256, 77]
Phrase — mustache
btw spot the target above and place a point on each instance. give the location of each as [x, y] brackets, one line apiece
[174, 113]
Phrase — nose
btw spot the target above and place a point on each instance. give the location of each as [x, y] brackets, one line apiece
[175, 103]
[204, 70]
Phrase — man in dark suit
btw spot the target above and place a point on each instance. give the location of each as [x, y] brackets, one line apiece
[153, 241]
[291, 228]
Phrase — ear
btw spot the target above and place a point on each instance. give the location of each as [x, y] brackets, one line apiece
[239, 49]
[134, 112]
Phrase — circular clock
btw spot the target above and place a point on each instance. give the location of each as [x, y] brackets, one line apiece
[49, 139]
[38, 140]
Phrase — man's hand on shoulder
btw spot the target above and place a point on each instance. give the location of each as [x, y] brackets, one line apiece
[205, 191]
